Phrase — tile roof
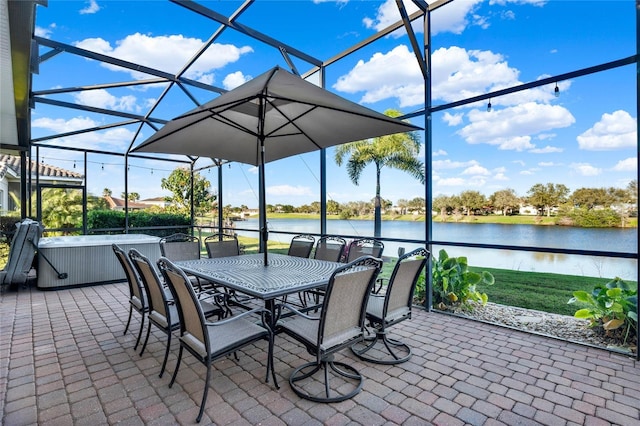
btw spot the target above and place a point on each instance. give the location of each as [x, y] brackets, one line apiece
[13, 162]
[118, 203]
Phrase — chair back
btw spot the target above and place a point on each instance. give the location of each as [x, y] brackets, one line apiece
[330, 248]
[21, 252]
[192, 319]
[301, 245]
[364, 247]
[158, 303]
[222, 245]
[399, 294]
[345, 303]
[136, 292]
[180, 247]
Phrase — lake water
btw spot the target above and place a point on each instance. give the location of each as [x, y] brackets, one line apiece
[609, 239]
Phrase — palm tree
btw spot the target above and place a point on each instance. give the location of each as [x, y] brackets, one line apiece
[396, 151]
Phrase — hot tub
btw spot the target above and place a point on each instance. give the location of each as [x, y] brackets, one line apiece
[88, 259]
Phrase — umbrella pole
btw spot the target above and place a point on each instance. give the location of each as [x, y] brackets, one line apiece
[264, 233]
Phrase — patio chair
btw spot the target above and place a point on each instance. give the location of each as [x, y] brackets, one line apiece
[177, 247]
[301, 245]
[222, 245]
[162, 309]
[209, 341]
[180, 247]
[364, 247]
[339, 325]
[330, 248]
[137, 296]
[22, 250]
[390, 308]
[327, 248]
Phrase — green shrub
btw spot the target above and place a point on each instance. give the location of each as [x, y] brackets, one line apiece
[454, 285]
[112, 219]
[590, 218]
[612, 306]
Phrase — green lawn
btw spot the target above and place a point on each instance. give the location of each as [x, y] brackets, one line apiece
[539, 291]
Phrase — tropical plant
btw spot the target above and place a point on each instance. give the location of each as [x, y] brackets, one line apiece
[454, 285]
[398, 151]
[612, 306]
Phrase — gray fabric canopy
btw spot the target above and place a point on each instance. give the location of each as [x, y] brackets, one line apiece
[273, 116]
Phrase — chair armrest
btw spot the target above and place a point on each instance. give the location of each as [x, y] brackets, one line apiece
[378, 285]
[296, 311]
[262, 311]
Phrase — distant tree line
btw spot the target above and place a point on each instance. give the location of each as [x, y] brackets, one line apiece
[584, 207]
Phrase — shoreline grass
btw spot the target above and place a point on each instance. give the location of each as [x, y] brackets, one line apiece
[496, 219]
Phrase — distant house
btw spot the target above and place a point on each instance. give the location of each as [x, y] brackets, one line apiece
[47, 174]
[118, 204]
[157, 201]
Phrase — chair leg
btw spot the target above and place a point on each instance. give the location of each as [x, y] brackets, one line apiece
[206, 391]
[166, 353]
[126, 327]
[270, 363]
[343, 371]
[175, 372]
[398, 351]
[144, 345]
[139, 332]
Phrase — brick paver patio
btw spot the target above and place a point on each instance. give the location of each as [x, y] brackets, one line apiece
[64, 360]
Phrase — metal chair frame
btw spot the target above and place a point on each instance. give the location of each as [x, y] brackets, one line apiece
[222, 245]
[390, 308]
[339, 325]
[137, 295]
[364, 247]
[301, 245]
[209, 341]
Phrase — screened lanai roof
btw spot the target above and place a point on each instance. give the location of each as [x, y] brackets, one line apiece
[313, 48]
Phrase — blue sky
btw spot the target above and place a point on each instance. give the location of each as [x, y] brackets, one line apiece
[586, 137]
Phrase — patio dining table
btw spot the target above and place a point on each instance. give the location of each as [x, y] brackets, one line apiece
[247, 274]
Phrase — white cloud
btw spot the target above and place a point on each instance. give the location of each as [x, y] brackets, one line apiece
[452, 119]
[500, 176]
[101, 98]
[91, 8]
[289, 190]
[253, 170]
[452, 18]
[60, 125]
[451, 182]
[115, 139]
[233, 80]
[439, 153]
[586, 169]
[546, 164]
[510, 128]
[166, 53]
[457, 74]
[394, 74]
[476, 170]
[613, 131]
[519, 162]
[546, 150]
[44, 32]
[448, 164]
[627, 165]
[505, 2]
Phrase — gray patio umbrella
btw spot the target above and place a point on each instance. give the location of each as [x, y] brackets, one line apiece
[273, 116]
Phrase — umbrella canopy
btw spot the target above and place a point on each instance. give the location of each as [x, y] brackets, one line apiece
[273, 116]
